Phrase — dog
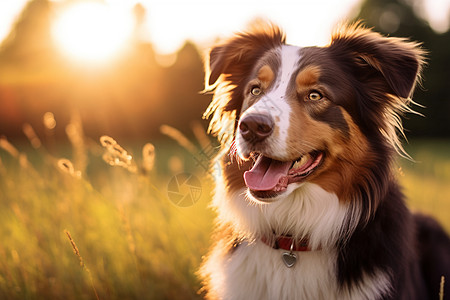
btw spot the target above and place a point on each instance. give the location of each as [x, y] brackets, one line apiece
[308, 205]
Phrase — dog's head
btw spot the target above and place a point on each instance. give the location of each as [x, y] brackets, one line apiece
[327, 115]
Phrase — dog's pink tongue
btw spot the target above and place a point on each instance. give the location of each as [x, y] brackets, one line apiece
[266, 173]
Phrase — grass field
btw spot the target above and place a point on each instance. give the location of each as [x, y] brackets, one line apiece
[106, 228]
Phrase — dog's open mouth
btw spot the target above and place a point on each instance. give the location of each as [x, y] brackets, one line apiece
[269, 177]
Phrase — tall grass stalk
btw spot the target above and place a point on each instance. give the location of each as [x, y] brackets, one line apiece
[148, 157]
[82, 264]
[139, 245]
[200, 134]
[31, 136]
[74, 131]
[179, 137]
[8, 147]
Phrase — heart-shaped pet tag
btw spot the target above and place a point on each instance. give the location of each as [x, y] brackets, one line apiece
[289, 259]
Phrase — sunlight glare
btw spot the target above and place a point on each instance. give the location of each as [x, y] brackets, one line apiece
[92, 31]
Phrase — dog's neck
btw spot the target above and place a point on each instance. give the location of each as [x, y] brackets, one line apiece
[309, 212]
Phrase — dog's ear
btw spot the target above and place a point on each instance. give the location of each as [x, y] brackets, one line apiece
[373, 58]
[227, 67]
[384, 73]
[237, 55]
[217, 63]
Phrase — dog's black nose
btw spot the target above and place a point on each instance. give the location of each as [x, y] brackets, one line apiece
[256, 127]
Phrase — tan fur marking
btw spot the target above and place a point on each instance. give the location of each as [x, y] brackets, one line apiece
[266, 76]
[346, 157]
[303, 133]
[308, 77]
[346, 162]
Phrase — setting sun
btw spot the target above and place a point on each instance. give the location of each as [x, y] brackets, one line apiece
[92, 31]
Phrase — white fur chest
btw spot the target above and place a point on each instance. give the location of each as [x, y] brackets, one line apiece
[256, 271]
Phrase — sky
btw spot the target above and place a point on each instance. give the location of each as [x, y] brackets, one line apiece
[171, 22]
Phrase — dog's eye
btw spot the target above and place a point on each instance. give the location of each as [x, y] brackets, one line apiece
[314, 96]
[256, 91]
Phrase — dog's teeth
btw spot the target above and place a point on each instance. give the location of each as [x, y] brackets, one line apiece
[296, 165]
[300, 162]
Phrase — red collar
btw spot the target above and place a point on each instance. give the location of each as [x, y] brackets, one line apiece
[287, 243]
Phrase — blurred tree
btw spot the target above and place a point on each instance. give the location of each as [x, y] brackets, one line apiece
[30, 37]
[28, 61]
[399, 18]
[183, 82]
[130, 97]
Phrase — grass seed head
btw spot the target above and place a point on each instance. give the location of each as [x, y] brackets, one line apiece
[49, 120]
[74, 247]
[66, 166]
[116, 155]
[107, 141]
